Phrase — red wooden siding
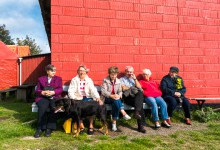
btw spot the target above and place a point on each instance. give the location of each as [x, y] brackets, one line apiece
[33, 67]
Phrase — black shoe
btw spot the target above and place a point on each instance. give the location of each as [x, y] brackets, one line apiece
[38, 133]
[137, 115]
[82, 131]
[48, 133]
[90, 131]
[141, 129]
[166, 125]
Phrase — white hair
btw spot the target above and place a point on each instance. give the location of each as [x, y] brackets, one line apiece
[129, 67]
[147, 71]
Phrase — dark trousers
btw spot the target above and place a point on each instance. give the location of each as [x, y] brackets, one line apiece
[46, 120]
[137, 103]
[172, 104]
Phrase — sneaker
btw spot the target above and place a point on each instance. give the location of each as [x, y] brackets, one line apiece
[157, 125]
[114, 128]
[126, 117]
[188, 122]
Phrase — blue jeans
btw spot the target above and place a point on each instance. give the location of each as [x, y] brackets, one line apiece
[154, 102]
[87, 99]
[116, 107]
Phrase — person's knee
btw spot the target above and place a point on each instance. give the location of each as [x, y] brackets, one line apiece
[186, 102]
[117, 103]
[171, 101]
[43, 108]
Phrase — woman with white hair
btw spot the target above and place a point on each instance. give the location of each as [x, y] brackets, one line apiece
[153, 98]
[82, 88]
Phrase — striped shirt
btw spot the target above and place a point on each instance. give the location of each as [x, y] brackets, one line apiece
[127, 81]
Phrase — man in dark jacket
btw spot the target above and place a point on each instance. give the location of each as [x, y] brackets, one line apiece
[173, 90]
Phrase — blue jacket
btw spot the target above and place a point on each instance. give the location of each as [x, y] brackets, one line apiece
[170, 85]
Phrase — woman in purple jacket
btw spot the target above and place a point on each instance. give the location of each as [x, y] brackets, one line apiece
[48, 88]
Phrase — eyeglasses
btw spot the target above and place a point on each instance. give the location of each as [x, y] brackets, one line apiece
[82, 70]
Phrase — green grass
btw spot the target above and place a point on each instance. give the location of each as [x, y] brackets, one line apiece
[16, 132]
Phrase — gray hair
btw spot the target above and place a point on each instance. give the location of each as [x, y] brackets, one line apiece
[50, 67]
[147, 71]
[129, 67]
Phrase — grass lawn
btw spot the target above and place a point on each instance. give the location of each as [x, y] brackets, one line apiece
[16, 132]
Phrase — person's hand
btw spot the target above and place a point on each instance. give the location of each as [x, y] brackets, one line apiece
[100, 101]
[44, 92]
[177, 94]
[133, 76]
[114, 96]
[117, 96]
[50, 93]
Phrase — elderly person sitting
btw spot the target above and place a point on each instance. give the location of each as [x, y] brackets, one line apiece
[174, 90]
[136, 100]
[112, 93]
[153, 97]
[82, 88]
[49, 87]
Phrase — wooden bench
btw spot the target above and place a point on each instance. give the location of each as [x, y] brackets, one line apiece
[108, 106]
[24, 92]
[201, 101]
[11, 91]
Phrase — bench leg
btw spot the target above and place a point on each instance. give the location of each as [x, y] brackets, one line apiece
[12, 93]
[200, 103]
[2, 96]
[22, 94]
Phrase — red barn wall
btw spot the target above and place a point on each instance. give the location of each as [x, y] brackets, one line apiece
[33, 67]
[8, 67]
[154, 34]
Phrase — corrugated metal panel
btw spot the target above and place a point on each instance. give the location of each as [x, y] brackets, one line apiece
[33, 67]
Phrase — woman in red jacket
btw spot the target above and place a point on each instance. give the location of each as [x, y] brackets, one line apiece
[152, 94]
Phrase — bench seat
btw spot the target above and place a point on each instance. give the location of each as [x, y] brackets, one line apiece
[11, 91]
[24, 92]
[201, 101]
[108, 107]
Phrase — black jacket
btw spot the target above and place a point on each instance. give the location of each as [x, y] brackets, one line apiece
[170, 85]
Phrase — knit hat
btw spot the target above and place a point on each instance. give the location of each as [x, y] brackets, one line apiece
[174, 69]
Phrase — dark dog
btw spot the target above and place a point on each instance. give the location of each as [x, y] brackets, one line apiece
[79, 110]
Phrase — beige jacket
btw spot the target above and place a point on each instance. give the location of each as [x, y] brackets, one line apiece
[106, 88]
[90, 89]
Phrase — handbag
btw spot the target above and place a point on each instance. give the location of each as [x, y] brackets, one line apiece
[67, 125]
[48, 88]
